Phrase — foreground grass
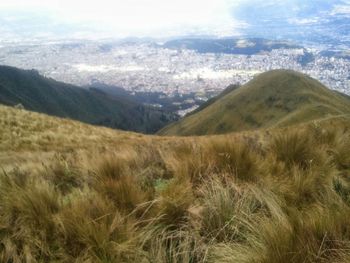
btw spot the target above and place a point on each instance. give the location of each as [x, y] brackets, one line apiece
[267, 197]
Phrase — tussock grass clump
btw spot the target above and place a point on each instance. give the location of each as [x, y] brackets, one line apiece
[219, 156]
[342, 188]
[190, 160]
[91, 229]
[340, 154]
[235, 158]
[174, 202]
[116, 179]
[294, 148]
[337, 142]
[64, 175]
[227, 212]
[300, 188]
[309, 236]
[322, 135]
[231, 212]
[175, 246]
[27, 210]
[279, 198]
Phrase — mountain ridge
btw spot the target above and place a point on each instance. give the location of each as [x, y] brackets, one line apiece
[275, 98]
[45, 95]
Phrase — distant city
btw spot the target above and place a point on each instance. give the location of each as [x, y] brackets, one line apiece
[175, 70]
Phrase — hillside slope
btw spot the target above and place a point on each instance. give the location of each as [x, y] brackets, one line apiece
[273, 99]
[72, 192]
[44, 95]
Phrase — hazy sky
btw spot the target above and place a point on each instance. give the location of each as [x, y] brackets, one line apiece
[145, 17]
[121, 18]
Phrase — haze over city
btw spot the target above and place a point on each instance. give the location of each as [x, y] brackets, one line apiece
[130, 18]
[193, 48]
[159, 18]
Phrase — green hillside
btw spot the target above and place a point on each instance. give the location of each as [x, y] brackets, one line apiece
[45, 95]
[74, 192]
[277, 98]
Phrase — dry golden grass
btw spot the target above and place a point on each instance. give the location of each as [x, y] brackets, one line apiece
[92, 194]
[28, 138]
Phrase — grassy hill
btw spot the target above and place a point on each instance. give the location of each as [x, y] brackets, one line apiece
[28, 138]
[41, 94]
[72, 192]
[277, 98]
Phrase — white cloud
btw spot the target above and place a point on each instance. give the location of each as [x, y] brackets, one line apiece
[135, 17]
[341, 9]
[304, 21]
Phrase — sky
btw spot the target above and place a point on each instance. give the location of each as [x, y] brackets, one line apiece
[150, 18]
[137, 17]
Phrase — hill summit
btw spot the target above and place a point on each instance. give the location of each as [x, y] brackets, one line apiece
[276, 98]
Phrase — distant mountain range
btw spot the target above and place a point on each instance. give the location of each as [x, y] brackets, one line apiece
[240, 46]
[273, 99]
[37, 93]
